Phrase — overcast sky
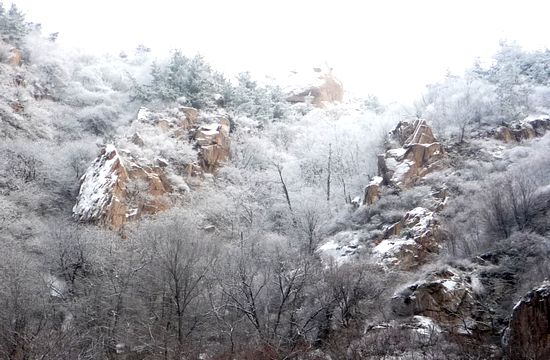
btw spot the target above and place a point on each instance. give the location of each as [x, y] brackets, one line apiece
[389, 48]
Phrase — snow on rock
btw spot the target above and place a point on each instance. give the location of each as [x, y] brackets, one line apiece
[97, 190]
[528, 331]
[413, 152]
[116, 188]
[164, 152]
[317, 87]
[400, 170]
[143, 114]
[410, 242]
[426, 325]
[341, 247]
[528, 128]
[444, 297]
[397, 153]
[176, 121]
[212, 140]
[372, 191]
[391, 252]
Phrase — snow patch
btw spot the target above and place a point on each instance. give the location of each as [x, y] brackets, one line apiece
[426, 325]
[401, 170]
[143, 114]
[536, 117]
[377, 180]
[341, 247]
[97, 185]
[397, 153]
[57, 286]
[449, 285]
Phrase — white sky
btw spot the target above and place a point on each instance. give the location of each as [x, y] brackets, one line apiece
[391, 48]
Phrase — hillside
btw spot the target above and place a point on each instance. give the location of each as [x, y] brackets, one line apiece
[151, 208]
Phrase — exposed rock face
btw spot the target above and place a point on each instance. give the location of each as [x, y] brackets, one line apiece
[213, 143]
[418, 154]
[410, 242]
[341, 247]
[16, 57]
[528, 333]
[318, 88]
[372, 191]
[529, 128]
[445, 296]
[208, 133]
[120, 186]
[179, 121]
[115, 189]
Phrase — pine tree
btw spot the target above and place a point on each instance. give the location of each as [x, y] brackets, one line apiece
[15, 26]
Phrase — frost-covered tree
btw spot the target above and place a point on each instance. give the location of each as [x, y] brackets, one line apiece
[190, 81]
[458, 104]
[263, 103]
[13, 26]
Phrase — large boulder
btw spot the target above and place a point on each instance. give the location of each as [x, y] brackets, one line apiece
[373, 191]
[115, 189]
[319, 88]
[176, 121]
[526, 129]
[15, 57]
[410, 242]
[413, 152]
[212, 141]
[445, 296]
[207, 133]
[125, 183]
[528, 333]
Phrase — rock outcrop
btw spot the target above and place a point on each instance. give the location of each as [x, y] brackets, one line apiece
[208, 133]
[528, 333]
[122, 185]
[419, 153]
[342, 247]
[318, 88]
[410, 242]
[212, 141]
[116, 189]
[15, 57]
[373, 191]
[445, 296]
[528, 128]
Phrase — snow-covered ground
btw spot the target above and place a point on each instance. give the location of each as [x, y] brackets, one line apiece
[341, 247]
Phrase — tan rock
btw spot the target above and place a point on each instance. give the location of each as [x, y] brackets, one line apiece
[504, 134]
[213, 144]
[331, 91]
[373, 191]
[422, 133]
[322, 88]
[16, 57]
[410, 242]
[529, 128]
[418, 155]
[524, 132]
[190, 116]
[116, 189]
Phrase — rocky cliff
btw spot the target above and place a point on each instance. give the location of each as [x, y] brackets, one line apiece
[116, 188]
[528, 333]
[318, 88]
[413, 152]
[526, 129]
[135, 178]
